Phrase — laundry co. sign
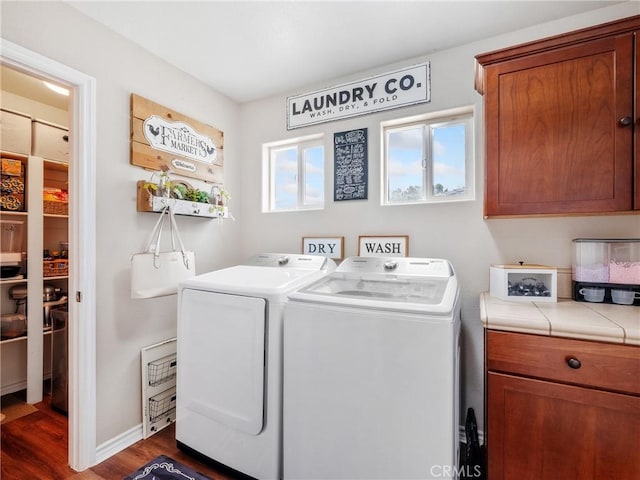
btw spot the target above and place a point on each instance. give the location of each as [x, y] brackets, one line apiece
[401, 88]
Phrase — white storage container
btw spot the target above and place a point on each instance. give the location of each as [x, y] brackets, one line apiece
[524, 282]
[50, 141]
[15, 132]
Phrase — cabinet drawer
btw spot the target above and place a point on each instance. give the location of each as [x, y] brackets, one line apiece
[15, 132]
[601, 365]
[50, 141]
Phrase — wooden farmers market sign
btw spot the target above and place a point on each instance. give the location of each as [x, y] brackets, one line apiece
[162, 138]
[408, 86]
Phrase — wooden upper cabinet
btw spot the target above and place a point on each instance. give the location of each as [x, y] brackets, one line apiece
[560, 124]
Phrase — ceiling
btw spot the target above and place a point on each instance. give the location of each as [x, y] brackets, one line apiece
[249, 50]
[28, 86]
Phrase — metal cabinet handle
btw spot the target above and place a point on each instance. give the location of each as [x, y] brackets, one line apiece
[574, 363]
[625, 121]
[65, 138]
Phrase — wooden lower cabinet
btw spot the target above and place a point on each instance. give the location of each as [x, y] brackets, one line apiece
[546, 429]
[542, 430]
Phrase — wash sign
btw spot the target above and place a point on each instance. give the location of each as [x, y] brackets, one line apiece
[401, 88]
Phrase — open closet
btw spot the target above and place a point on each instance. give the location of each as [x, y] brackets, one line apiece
[34, 254]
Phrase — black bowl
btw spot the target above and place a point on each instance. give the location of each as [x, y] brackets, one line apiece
[7, 271]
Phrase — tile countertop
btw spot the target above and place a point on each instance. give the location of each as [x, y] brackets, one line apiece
[566, 318]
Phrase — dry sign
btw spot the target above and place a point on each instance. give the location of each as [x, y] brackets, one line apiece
[400, 88]
[162, 138]
[330, 247]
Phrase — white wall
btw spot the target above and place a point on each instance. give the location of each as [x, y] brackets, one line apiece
[124, 326]
[456, 231]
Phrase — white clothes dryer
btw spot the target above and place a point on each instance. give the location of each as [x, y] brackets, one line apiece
[371, 372]
[229, 360]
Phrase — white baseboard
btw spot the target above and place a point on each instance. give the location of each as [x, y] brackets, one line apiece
[17, 386]
[13, 387]
[119, 443]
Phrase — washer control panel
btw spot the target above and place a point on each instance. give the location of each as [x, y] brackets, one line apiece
[432, 267]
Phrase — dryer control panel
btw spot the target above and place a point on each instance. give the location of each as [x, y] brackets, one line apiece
[289, 260]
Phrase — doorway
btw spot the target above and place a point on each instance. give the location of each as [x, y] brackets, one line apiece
[82, 281]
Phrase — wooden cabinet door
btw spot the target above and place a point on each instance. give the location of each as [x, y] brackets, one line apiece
[540, 430]
[636, 131]
[555, 139]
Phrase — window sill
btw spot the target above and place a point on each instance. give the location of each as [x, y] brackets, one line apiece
[429, 202]
[294, 210]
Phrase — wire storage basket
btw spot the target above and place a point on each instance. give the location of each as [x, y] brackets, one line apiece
[162, 370]
[159, 373]
[163, 404]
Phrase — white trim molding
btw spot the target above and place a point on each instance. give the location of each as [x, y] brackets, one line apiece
[82, 228]
[118, 443]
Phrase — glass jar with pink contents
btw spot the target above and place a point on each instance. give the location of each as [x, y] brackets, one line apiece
[590, 260]
[624, 263]
[611, 265]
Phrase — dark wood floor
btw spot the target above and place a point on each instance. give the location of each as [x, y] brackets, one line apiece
[34, 447]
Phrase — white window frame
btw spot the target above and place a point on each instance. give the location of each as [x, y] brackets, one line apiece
[268, 172]
[429, 122]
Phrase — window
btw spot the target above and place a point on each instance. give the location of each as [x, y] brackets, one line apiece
[294, 175]
[428, 158]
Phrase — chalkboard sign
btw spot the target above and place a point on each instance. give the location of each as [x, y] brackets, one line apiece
[350, 165]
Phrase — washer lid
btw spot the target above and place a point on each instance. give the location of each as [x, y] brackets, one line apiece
[408, 293]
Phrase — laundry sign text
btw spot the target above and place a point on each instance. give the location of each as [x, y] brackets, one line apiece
[408, 86]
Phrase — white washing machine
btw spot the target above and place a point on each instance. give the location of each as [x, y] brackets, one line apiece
[371, 372]
[229, 360]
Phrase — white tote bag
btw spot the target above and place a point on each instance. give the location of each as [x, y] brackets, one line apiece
[155, 273]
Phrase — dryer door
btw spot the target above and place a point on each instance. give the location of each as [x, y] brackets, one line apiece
[221, 348]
